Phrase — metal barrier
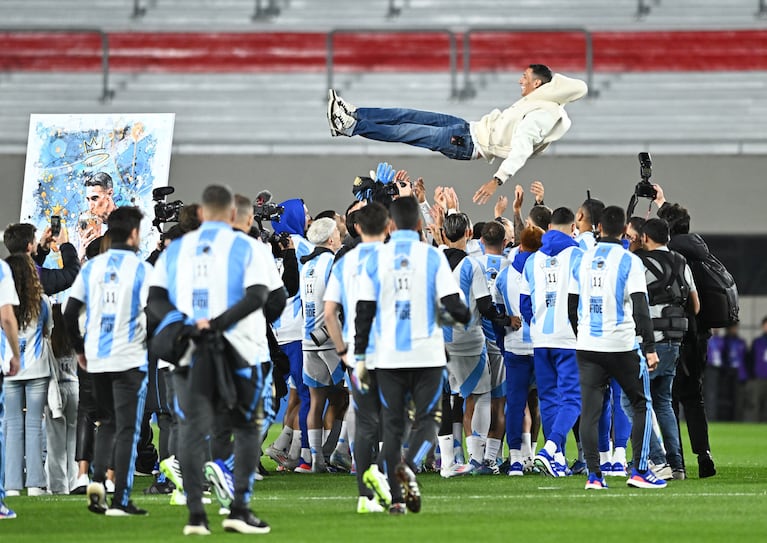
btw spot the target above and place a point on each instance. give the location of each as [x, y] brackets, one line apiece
[106, 92]
[330, 47]
[468, 90]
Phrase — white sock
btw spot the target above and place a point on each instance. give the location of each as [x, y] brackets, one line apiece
[605, 458]
[475, 446]
[550, 447]
[457, 433]
[559, 458]
[446, 451]
[480, 420]
[619, 455]
[315, 444]
[516, 455]
[284, 439]
[295, 445]
[533, 447]
[492, 447]
[306, 455]
[527, 447]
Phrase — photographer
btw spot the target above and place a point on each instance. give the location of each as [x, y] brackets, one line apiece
[688, 383]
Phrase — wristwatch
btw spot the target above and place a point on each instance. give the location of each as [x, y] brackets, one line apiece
[498, 181]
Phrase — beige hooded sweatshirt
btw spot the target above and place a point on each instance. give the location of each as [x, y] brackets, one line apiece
[528, 126]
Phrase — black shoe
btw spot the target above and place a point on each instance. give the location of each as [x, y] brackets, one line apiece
[397, 509]
[410, 489]
[160, 488]
[118, 510]
[706, 466]
[262, 470]
[245, 522]
[197, 525]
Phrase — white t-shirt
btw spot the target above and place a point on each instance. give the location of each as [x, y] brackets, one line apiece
[207, 271]
[407, 279]
[468, 339]
[313, 280]
[289, 327]
[605, 280]
[113, 286]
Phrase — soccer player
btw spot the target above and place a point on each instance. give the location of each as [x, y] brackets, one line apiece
[112, 288]
[518, 348]
[545, 283]
[341, 294]
[8, 299]
[220, 280]
[524, 129]
[607, 307]
[323, 369]
[405, 285]
[493, 261]
[468, 369]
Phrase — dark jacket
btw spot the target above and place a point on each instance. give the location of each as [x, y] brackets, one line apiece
[56, 280]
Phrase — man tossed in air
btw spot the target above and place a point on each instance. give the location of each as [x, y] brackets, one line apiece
[522, 130]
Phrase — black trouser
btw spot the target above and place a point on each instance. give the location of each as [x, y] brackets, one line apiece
[367, 421]
[688, 390]
[596, 369]
[120, 398]
[196, 418]
[170, 395]
[397, 387]
[86, 418]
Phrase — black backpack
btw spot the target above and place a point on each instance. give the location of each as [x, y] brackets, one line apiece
[717, 291]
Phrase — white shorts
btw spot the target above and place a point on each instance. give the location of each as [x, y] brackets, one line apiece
[322, 369]
[469, 374]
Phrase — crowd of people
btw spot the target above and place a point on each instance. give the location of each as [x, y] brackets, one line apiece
[406, 337]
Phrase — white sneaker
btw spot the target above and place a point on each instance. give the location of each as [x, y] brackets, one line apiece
[663, 471]
[110, 486]
[13, 493]
[81, 484]
[456, 470]
[368, 505]
[340, 115]
[36, 491]
[280, 456]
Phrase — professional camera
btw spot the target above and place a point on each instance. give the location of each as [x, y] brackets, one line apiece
[644, 188]
[165, 212]
[367, 188]
[267, 211]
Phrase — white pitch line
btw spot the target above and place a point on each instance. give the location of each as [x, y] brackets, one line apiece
[546, 496]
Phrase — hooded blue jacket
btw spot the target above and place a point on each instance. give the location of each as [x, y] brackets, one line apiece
[293, 220]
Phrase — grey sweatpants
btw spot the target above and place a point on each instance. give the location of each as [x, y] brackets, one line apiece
[196, 418]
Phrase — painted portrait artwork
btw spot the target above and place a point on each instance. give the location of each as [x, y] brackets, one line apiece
[81, 167]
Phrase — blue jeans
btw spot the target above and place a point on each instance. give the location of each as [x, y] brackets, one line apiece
[519, 368]
[24, 432]
[434, 131]
[661, 382]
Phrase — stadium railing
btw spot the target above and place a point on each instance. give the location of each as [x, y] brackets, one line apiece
[469, 91]
[106, 92]
[453, 51]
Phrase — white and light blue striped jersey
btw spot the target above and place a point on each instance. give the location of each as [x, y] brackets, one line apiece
[586, 240]
[605, 280]
[114, 287]
[8, 293]
[509, 283]
[546, 279]
[407, 279]
[493, 266]
[314, 277]
[342, 289]
[32, 346]
[207, 271]
[290, 326]
[468, 339]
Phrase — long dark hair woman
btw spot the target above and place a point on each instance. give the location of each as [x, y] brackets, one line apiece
[29, 387]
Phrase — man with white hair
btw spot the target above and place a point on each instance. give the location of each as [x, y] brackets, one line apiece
[323, 370]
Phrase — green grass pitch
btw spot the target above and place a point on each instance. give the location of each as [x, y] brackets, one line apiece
[730, 507]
